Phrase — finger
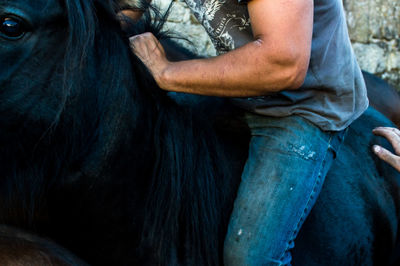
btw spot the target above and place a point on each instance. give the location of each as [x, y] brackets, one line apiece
[144, 37]
[391, 135]
[146, 45]
[139, 46]
[133, 42]
[387, 156]
[393, 129]
[139, 39]
[154, 43]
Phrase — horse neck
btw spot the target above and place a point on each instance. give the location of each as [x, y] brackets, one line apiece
[184, 200]
[39, 151]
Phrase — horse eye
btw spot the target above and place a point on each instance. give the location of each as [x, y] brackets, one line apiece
[11, 28]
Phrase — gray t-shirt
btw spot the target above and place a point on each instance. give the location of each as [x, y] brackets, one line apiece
[333, 94]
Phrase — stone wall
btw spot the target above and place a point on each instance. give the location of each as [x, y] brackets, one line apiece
[182, 22]
[374, 28]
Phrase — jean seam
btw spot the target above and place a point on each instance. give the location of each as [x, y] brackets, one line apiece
[316, 184]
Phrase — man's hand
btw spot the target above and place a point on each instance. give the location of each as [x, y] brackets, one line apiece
[277, 59]
[393, 136]
[150, 51]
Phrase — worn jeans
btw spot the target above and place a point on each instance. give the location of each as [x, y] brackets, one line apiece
[283, 176]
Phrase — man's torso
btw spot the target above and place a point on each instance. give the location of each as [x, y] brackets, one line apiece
[333, 94]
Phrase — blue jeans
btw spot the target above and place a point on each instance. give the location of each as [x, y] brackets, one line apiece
[283, 176]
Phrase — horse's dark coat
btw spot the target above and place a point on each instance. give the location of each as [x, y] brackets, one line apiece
[96, 157]
[383, 97]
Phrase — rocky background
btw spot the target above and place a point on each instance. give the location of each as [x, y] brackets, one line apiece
[374, 28]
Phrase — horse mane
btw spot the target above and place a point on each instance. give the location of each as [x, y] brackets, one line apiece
[184, 204]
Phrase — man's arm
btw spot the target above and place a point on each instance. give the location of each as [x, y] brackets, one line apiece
[132, 11]
[133, 14]
[276, 60]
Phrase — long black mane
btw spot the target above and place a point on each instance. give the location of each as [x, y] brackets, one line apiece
[183, 205]
[99, 159]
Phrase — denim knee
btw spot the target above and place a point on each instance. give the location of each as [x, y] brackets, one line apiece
[237, 255]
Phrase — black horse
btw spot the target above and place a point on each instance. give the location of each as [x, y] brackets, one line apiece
[96, 157]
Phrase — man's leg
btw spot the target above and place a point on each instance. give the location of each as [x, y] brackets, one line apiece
[288, 160]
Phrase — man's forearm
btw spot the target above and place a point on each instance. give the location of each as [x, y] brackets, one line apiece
[277, 60]
[239, 73]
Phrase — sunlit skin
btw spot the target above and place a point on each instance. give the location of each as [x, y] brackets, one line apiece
[276, 60]
[133, 14]
[393, 136]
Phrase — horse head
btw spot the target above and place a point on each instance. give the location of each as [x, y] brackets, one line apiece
[57, 109]
[89, 137]
[66, 71]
